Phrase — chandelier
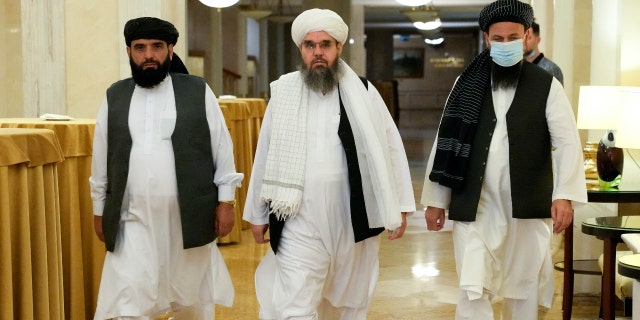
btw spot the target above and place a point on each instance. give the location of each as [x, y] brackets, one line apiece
[423, 18]
[219, 3]
[278, 11]
[413, 3]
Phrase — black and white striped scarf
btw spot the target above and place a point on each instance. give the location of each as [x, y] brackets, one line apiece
[459, 122]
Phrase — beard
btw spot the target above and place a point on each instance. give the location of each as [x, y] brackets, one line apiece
[505, 77]
[148, 78]
[321, 79]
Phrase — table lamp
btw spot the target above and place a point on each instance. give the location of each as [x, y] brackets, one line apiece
[598, 109]
[629, 115]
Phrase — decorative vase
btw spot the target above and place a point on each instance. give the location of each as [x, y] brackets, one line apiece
[610, 161]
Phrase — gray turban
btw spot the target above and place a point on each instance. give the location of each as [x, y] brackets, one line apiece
[506, 10]
[319, 20]
[150, 28]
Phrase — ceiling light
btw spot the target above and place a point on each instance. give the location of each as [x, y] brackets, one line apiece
[413, 3]
[256, 14]
[423, 18]
[420, 14]
[219, 3]
[434, 42]
[429, 25]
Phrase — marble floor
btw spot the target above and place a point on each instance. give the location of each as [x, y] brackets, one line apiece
[417, 272]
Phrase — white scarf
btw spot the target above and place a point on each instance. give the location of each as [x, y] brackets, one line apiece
[283, 181]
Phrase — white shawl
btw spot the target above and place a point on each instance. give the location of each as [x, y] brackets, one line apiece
[283, 181]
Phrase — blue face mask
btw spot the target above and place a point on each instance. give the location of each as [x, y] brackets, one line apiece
[531, 54]
[507, 54]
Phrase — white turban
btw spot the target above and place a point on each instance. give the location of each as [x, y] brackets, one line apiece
[319, 20]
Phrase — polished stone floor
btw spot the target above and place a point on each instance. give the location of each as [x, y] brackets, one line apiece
[417, 272]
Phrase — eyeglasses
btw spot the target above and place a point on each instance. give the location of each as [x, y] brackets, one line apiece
[323, 45]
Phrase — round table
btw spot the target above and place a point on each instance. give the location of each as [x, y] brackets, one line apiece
[610, 230]
[31, 279]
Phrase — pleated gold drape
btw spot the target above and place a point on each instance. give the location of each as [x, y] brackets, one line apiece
[243, 118]
[82, 252]
[30, 247]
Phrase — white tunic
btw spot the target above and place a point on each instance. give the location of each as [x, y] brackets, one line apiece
[318, 243]
[149, 269]
[496, 252]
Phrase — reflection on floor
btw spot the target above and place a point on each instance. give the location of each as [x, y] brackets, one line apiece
[417, 272]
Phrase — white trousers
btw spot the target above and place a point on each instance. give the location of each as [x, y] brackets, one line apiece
[196, 312]
[314, 282]
[512, 309]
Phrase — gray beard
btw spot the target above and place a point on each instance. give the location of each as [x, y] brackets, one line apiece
[505, 77]
[321, 79]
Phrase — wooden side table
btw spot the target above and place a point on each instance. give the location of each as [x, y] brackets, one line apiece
[629, 266]
[610, 230]
[571, 267]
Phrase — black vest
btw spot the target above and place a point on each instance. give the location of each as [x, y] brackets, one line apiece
[191, 140]
[530, 165]
[359, 220]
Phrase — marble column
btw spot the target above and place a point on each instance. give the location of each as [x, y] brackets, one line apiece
[605, 55]
[560, 28]
[544, 13]
[11, 64]
[630, 44]
[241, 55]
[214, 53]
[263, 74]
[358, 54]
[43, 57]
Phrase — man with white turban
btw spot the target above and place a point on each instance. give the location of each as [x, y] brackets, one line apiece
[330, 174]
[507, 164]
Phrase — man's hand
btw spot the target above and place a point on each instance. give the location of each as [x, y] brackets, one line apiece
[435, 218]
[399, 231]
[562, 214]
[259, 231]
[225, 218]
[97, 225]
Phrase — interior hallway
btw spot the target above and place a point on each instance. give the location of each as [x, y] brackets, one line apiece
[417, 272]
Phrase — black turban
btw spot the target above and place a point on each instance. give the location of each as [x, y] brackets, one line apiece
[150, 28]
[506, 10]
[154, 28]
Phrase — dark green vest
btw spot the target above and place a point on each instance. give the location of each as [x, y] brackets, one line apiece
[191, 140]
[530, 166]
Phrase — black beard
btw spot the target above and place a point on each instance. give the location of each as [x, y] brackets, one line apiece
[321, 79]
[505, 77]
[150, 77]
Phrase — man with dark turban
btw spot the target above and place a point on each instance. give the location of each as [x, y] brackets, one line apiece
[507, 165]
[330, 174]
[163, 181]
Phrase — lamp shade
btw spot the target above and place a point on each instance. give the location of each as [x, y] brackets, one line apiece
[598, 107]
[628, 130]
[219, 3]
[413, 3]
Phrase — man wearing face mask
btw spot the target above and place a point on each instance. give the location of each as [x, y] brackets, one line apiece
[507, 165]
[532, 53]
